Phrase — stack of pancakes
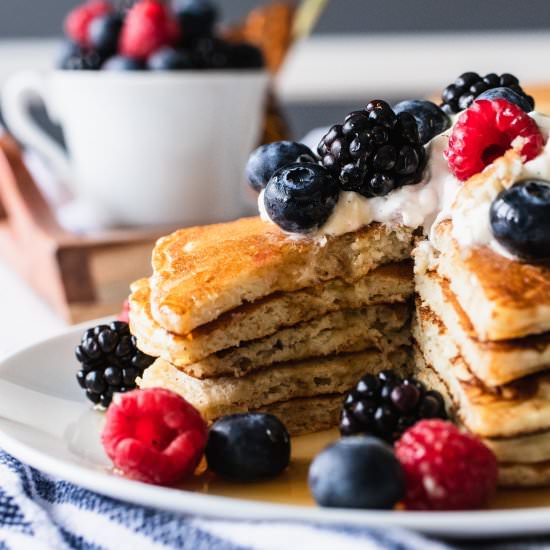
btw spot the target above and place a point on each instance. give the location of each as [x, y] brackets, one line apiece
[482, 334]
[242, 317]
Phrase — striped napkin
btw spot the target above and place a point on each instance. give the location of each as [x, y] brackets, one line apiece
[38, 512]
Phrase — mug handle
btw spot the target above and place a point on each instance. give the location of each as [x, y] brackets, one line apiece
[19, 93]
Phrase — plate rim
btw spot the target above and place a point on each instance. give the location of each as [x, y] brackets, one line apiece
[461, 524]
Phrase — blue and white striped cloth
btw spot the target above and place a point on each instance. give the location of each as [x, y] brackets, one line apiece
[38, 512]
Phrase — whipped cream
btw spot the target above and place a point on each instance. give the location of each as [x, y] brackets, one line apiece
[470, 213]
[413, 205]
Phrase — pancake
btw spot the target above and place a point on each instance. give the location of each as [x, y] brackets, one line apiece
[216, 397]
[337, 332]
[524, 475]
[391, 283]
[494, 363]
[524, 461]
[516, 409]
[504, 298]
[307, 415]
[200, 273]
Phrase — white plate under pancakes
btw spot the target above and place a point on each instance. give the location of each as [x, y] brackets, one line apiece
[46, 422]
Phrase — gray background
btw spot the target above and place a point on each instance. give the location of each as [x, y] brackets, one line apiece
[25, 18]
[43, 18]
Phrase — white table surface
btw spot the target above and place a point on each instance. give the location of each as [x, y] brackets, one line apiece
[24, 317]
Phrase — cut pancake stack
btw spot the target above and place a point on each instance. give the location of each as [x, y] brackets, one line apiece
[482, 335]
[242, 317]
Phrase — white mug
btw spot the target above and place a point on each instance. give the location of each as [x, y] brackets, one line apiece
[146, 148]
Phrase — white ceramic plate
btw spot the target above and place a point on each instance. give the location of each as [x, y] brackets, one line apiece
[46, 422]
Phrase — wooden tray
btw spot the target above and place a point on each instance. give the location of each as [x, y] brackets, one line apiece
[81, 277]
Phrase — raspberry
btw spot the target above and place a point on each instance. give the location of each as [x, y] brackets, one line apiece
[78, 21]
[148, 27]
[485, 131]
[154, 436]
[445, 469]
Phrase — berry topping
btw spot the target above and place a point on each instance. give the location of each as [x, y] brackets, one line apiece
[110, 362]
[78, 21]
[248, 447]
[445, 469]
[267, 159]
[154, 435]
[386, 405]
[485, 131]
[123, 63]
[520, 220]
[169, 59]
[430, 119]
[104, 33]
[357, 472]
[148, 27]
[468, 86]
[197, 19]
[375, 151]
[300, 197]
[509, 95]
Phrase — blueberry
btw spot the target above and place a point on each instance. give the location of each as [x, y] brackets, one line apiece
[248, 447]
[123, 63]
[267, 159]
[71, 57]
[197, 19]
[509, 95]
[430, 119]
[169, 59]
[67, 50]
[104, 33]
[300, 197]
[357, 472]
[520, 220]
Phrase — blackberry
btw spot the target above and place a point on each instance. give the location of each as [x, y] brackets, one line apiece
[110, 362]
[386, 405]
[245, 56]
[468, 86]
[375, 151]
[211, 53]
